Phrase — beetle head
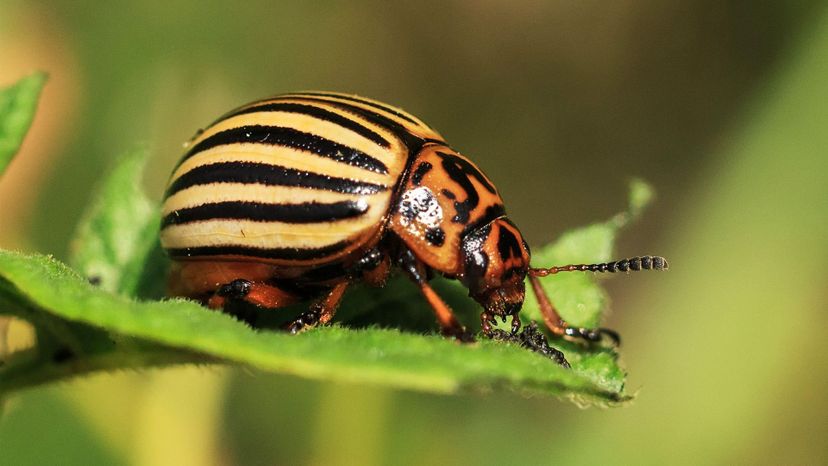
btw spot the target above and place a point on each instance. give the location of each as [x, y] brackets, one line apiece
[495, 263]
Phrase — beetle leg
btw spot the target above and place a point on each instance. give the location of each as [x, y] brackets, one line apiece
[320, 312]
[486, 321]
[378, 276]
[256, 293]
[449, 325]
[555, 323]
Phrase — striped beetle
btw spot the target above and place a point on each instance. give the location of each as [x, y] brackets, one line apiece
[300, 195]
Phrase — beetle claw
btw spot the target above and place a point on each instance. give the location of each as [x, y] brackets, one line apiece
[459, 333]
[593, 335]
[533, 339]
[307, 319]
[515, 324]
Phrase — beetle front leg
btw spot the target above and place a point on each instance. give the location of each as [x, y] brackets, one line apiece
[449, 325]
[555, 323]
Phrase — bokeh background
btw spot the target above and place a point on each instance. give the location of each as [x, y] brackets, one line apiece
[722, 105]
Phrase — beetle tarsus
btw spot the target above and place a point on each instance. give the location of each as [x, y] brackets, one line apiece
[533, 339]
[307, 319]
[486, 322]
[460, 334]
[515, 324]
[593, 335]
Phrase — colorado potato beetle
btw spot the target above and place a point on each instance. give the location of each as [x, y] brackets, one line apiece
[298, 196]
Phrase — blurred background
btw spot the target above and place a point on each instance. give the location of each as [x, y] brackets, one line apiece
[721, 105]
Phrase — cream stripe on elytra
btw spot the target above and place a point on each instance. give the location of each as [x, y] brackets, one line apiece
[223, 192]
[262, 234]
[388, 135]
[385, 109]
[283, 157]
[304, 123]
[418, 128]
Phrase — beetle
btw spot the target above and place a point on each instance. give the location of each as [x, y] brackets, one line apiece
[298, 196]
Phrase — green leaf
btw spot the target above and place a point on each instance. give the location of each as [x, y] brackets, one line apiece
[17, 108]
[428, 363]
[116, 243]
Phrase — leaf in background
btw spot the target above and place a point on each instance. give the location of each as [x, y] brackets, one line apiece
[577, 296]
[427, 363]
[116, 243]
[17, 108]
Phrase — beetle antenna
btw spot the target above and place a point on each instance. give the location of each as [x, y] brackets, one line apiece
[623, 265]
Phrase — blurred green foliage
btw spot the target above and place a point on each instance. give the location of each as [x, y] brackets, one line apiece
[719, 104]
[17, 108]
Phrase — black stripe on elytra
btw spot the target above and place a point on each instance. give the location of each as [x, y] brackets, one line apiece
[307, 212]
[316, 112]
[412, 142]
[289, 137]
[377, 105]
[269, 175]
[271, 253]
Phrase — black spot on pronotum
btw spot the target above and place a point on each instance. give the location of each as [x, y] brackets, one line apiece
[461, 171]
[463, 211]
[435, 236]
[420, 172]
